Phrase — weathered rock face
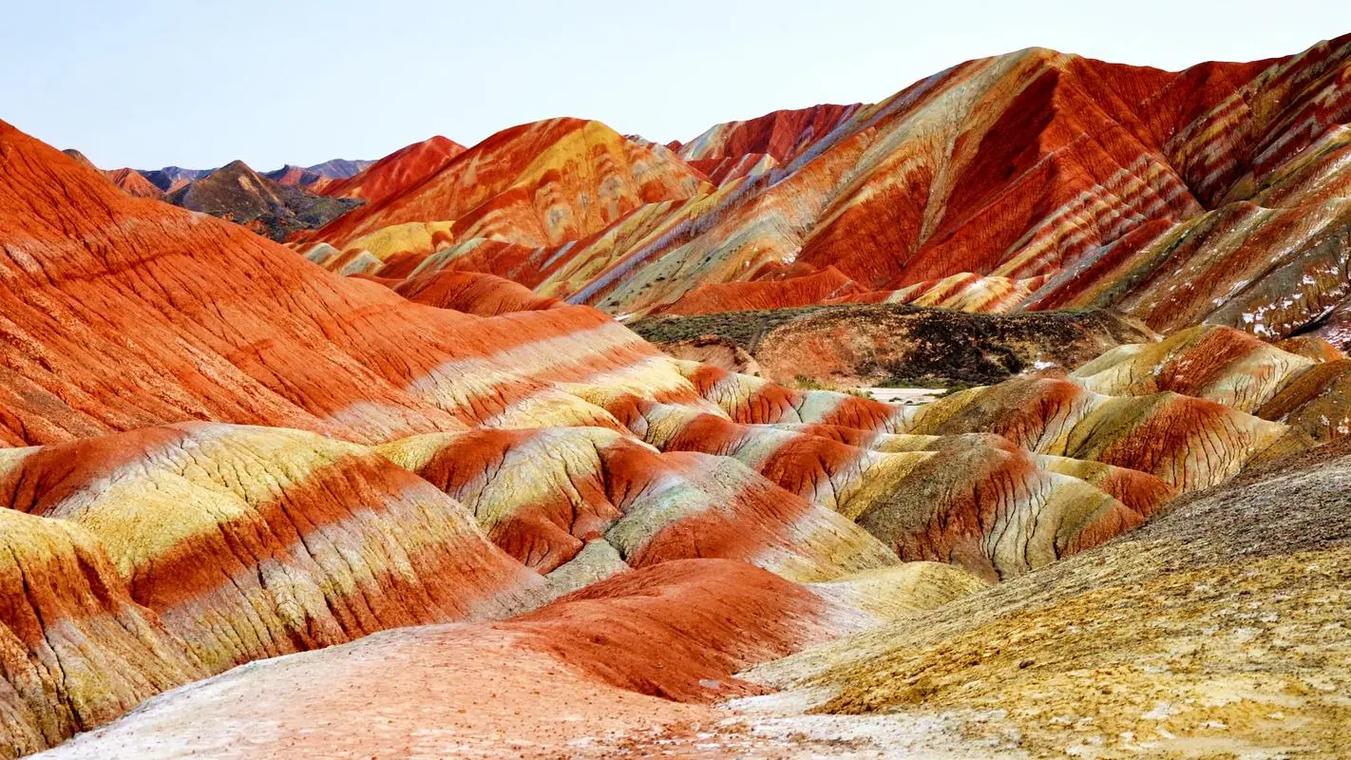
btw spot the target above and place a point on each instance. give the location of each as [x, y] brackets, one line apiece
[403, 169]
[528, 181]
[1208, 629]
[1187, 442]
[1030, 181]
[320, 543]
[978, 502]
[558, 498]
[782, 135]
[1308, 392]
[75, 650]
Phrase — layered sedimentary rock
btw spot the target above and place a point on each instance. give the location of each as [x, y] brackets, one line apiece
[1310, 391]
[132, 313]
[978, 502]
[545, 684]
[1217, 629]
[255, 542]
[559, 496]
[542, 183]
[220, 452]
[403, 169]
[1189, 443]
[75, 650]
[784, 135]
[1029, 181]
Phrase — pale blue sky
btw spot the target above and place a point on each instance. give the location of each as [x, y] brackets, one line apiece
[200, 83]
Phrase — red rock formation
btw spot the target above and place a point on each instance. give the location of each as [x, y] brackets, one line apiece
[528, 182]
[472, 293]
[133, 183]
[690, 626]
[824, 286]
[952, 500]
[1223, 364]
[75, 650]
[396, 173]
[726, 169]
[435, 443]
[321, 543]
[783, 135]
[548, 497]
[135, 313]
[565, 680]
[1033, 180]
[1187, 442]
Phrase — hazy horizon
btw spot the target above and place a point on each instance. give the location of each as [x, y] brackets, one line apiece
[197, 85]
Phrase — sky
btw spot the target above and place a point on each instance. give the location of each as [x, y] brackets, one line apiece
[146, 83]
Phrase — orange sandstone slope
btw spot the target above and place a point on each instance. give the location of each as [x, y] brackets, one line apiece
[539, 184]
[130, 181]
[132, 313]
[264, 458]
[399, 171]
[1032, 180]
[134, 183]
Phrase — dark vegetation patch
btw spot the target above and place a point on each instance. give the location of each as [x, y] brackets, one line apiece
[908, 346]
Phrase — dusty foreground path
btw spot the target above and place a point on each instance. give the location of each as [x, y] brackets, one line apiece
[464, 691]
